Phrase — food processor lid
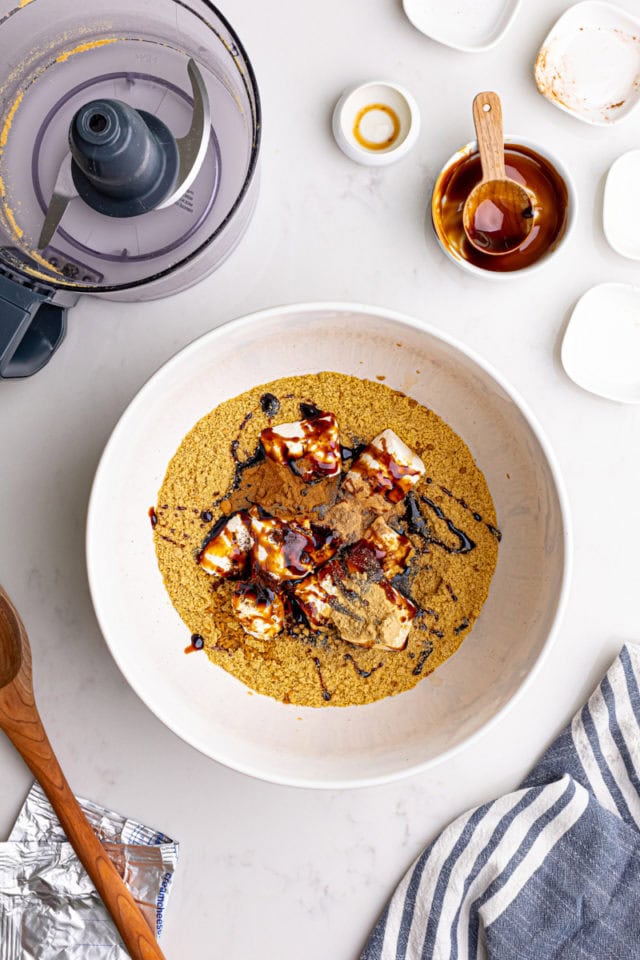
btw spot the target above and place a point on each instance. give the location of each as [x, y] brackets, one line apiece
[70, 223]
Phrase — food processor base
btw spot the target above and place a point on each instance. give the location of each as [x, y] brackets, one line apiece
[31, 330]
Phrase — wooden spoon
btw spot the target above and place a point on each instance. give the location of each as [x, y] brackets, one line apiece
[498, 213]
[21, 722]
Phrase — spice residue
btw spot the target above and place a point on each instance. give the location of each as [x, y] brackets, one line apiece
[83, 47]
[9, 120]
[9, 213]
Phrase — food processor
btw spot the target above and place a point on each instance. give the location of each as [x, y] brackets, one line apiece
[129, 139]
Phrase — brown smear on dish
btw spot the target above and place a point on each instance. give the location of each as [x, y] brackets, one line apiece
[550, 85]
[448, 580]
[526, 167]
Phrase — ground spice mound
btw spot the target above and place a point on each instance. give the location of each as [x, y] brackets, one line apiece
[451, 507]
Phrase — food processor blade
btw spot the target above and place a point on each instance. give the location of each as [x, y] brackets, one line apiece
[63, 192]
[193, 146]
[105, 170]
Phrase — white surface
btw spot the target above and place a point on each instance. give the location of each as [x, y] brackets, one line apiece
[376, 126]
[589, 64]
[601, 346]
[275, 872]
[621, 207]
[462, 24]
[572, 211]
[331, 747]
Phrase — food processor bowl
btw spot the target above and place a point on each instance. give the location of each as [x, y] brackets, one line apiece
[59, 56]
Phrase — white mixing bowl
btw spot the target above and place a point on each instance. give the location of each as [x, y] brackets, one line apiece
[330, 747]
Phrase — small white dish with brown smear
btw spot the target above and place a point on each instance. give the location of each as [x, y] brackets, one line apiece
[589, 63]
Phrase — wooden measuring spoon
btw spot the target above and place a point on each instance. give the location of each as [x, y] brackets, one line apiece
[20, 720]
[498, 213]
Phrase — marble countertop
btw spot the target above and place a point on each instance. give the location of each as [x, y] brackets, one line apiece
[266, 870]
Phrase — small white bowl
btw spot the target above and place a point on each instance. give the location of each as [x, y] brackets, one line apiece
[601, 345]
[467, 25]
[572, 206]
[384, 114]
[333, 746]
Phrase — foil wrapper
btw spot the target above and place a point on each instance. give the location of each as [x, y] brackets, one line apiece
[49, 908]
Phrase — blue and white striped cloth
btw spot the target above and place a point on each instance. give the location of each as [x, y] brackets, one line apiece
[550, 872]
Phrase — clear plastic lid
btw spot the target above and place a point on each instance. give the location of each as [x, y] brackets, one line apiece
[59, 55]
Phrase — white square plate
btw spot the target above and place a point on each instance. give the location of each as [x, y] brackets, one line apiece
[601, 345]
[621, 207]
[468, 25]
[589, 64]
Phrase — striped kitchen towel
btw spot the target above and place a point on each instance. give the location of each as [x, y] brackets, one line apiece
[549, 872]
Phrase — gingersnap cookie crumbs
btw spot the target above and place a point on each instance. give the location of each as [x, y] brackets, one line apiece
[449, 519]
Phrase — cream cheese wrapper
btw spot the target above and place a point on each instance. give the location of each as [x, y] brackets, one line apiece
[49, 907]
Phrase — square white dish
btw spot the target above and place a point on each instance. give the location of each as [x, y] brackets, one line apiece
[601, 345]
[589, 63]
[467, 25]
[621, 206]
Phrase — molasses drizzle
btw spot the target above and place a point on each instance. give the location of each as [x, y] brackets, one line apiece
[256, 457]
[476, 516]
[359, 670]
[422, 659]
[326, 696]
[270, 405]
[414, 520]
[197, 643]
[466, 544]
[309, 411]
[174, 542]
[417, 525]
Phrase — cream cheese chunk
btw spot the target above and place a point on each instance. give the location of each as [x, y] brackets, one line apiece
[392, 549]
[311, 447]
[260, 611]
[387, 466]
[314, 596]
[226, 553]
[280, 549]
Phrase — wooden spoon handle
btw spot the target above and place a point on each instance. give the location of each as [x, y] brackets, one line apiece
[487, 118]
[30, 739]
